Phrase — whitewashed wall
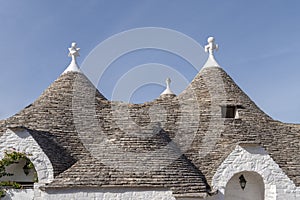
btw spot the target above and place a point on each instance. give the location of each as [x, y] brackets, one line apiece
[254, 158]
[16, 194]
[106, 194]
[90, 193]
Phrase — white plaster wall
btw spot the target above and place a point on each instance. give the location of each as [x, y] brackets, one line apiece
[106, 194]
[254, 158]
[14, 194]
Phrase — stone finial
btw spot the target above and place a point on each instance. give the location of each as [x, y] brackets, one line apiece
[168, 82]
[168, 88]
[211, 47]
[74, 53]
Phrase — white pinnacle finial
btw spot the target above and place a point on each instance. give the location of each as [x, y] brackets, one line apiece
[73, 52]
[168, 82]
[211, 47]
[168, 88]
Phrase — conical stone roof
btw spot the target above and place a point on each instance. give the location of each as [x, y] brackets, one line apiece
[218, 136]
[57, 119]
[180, 133]
[52, 113]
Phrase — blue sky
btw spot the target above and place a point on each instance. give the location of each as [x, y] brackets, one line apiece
[259, 45]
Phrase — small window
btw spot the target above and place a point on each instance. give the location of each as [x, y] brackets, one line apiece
[228, 111]
[231, 111]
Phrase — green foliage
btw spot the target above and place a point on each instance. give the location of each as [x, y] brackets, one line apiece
[13, 158]
[2, 193]
[10, 183]
[35, 177]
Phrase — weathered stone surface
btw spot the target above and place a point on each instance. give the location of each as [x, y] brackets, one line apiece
[173, 142]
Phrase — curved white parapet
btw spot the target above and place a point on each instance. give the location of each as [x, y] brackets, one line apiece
[20, 140]
[277, 184]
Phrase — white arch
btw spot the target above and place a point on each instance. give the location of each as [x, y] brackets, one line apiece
[254, 158]
[20, 140]
[254, 188]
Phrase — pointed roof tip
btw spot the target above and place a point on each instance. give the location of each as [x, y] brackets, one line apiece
[73, 67]
[211, 62]
[74, 53]
[211, 47]
[168, 90]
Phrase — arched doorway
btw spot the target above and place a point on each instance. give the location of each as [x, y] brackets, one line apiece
[17, 170]
[245, 185]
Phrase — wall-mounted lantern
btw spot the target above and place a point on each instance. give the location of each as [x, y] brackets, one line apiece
[26, 170]
[242, 182]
